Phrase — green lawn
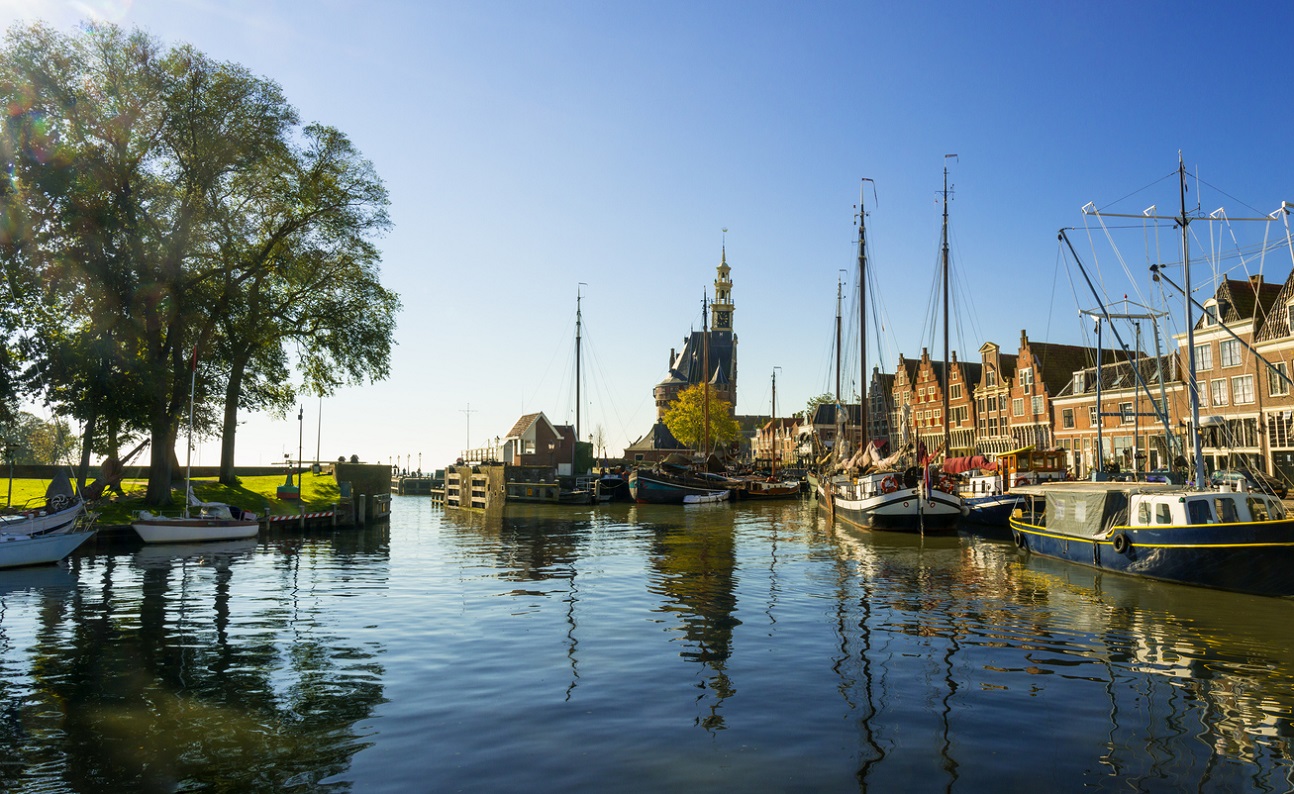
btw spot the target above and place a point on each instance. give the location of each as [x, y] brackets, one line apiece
[252, 493]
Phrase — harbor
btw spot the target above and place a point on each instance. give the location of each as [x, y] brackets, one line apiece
[747, 646]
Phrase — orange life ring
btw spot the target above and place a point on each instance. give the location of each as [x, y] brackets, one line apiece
[890, 484]
[1021, 480]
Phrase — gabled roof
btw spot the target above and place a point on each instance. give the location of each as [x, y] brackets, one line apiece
[528, 421]
[1276, 324]
[1251, 299]
[657, 438]
[1057, 363]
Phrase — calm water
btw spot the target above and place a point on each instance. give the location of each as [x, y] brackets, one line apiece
[712, 648]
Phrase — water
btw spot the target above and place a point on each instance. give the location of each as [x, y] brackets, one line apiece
[631, 648]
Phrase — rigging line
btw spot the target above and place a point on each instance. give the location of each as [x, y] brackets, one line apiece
[1096, 262]
[1199, 182]
[1051, 306]
[1118, 255]
[1171, 175]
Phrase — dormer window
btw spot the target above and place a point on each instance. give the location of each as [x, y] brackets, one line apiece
[1080, 382]
[1210, 314]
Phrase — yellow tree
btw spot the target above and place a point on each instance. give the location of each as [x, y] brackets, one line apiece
[685, 418]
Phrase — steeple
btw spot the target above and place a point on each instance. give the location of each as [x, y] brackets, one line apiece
[721, 309]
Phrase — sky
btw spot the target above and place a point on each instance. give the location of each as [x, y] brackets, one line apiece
[536, 151]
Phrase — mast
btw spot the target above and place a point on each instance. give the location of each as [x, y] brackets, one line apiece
[1193, 385]
[773, 452]
[839, 341]
[575, 452]
[862, 317]
[944, 390]
[705, 375]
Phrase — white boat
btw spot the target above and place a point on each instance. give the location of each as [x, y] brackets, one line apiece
[58, 515]
[705, 498]
[17, 551]
[214, 520]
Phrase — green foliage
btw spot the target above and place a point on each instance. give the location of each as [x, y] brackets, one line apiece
[161, 203]
[821, 399]
[30, 439]
[686, 418]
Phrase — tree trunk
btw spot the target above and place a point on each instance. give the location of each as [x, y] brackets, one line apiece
[229, 430]
[160, 455]
[87, 441]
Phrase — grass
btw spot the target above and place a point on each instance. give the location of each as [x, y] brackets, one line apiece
[252, 493]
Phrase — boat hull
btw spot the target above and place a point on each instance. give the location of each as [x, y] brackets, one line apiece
[903, 510]
[42, 522]
[193, 530]
[19, 551]
[648, 489]
[1251, 557]
[992, 511]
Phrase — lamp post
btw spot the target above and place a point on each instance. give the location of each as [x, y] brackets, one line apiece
[301, 438]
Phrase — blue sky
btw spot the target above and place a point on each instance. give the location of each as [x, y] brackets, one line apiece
[530, 147]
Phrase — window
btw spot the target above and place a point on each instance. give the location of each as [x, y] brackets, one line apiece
[1143, 513]
[1277, 385]
[1026, 380]
[1203, 356]
[1229, 352]
[1080, 382]
[955, 391]
[1038, 405]
[1125, 413]
[1162, 514]
[1067, 418]
[1091, 416]
[990, 378]
[1242, 389]
[1219, 391]
[1017, 407]
[1198, 512]
[991, 403]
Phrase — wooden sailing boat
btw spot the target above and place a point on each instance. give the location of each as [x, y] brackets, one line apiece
[881, 495]
[771, 487]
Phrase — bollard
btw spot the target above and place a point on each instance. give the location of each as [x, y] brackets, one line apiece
[360, 515]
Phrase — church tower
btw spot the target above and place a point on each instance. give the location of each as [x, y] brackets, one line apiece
[721, 309]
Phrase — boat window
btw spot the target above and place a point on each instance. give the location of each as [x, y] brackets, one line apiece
[1226, 510]
[1163, 514]
[1198, 512]
[1143, 513]
[1258, 509]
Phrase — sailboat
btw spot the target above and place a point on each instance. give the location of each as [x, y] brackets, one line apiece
[58, 512]
[1225, 537]
[208, 520]
[885, 494]
[771, 487]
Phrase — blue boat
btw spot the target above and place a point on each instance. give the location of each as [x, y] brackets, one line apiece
[668, 484]
[1228, 539]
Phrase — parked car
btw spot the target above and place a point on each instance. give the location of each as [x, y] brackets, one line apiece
[1254, 480]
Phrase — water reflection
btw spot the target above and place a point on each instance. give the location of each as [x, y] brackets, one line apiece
[174, 667]
[1189, 686]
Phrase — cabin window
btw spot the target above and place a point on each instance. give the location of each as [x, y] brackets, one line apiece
[1067, 418]
[1242, 389]
[1258, 509]
[1229, 352]
[1218, 391]
[1226, 510]
[1143, 513]
[1198, 512]
[1204, 356]
[1277, 384]
[1163, 514]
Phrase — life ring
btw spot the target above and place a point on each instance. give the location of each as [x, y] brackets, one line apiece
[1018, 537]
[1021, 480]
[1120, 543]
[890, 484]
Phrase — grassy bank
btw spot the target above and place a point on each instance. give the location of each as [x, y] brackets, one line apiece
[318, 492]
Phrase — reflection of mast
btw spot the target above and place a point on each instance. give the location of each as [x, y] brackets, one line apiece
[572, 597]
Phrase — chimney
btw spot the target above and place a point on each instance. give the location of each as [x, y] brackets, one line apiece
[1256, 281]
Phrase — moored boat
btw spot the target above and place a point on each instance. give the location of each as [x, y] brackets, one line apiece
[213, 521]
[669, 484]
[17, 551]
[1225, 539]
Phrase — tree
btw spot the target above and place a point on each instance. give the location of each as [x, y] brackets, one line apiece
[153, 193]
[811, 408]
[686, 418]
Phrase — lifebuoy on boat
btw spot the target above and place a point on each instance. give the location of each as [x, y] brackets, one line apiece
[1121, 543]
[1018, 537]
[1021, 480]
[890, 484]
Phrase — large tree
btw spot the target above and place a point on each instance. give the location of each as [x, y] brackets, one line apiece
[687, 418]
[153, 193]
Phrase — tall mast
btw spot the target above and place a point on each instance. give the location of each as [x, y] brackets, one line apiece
[839, 341]
[944, 390]
[705, 376]
[576, 453]
[773, 453]
[862, 316]
[1194, 386]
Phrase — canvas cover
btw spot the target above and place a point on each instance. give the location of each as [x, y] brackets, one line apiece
[1085, 513]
